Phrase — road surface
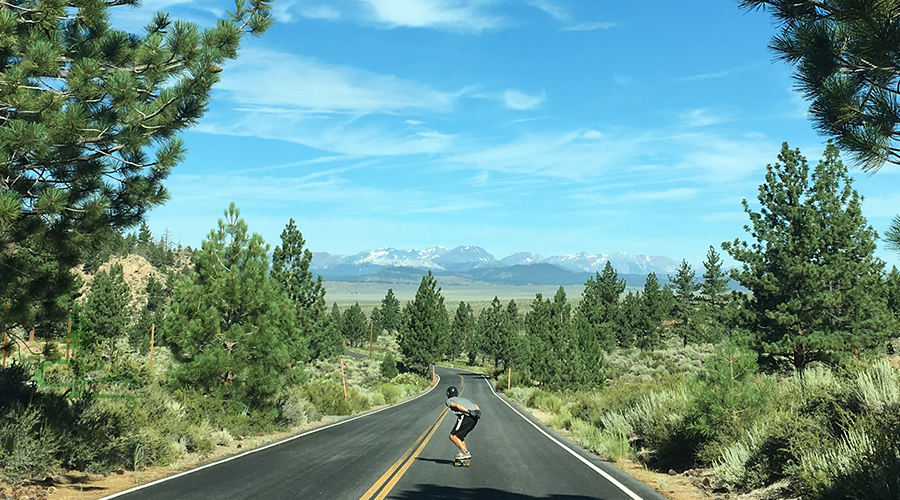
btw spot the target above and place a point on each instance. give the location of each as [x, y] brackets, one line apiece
[403, 453]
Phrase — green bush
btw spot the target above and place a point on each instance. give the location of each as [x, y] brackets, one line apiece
[27, 450]
[412, 379]
[562, 419]
[519, 379]
[295, 409]
[544, 400]
[150, 448]
[863, 463]
[328, 398]
[725, 398]
[660, 431]
[390, 392]
[520, 394]
[389, 368]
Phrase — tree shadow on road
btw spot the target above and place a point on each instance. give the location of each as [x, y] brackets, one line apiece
[435, 492]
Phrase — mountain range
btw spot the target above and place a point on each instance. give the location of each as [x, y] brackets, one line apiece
[473, 263]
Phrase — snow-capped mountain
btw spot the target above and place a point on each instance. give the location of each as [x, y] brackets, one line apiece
[467, 258]
[623, 263]
[522, 259]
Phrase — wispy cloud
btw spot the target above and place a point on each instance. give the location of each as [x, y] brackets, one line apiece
[716, 74]
[674, 194]
[516, 99]
[623, 80]
[591, 26]
[346, 138]
[702, 117]
[299, 83]
[553, 9]
[321, 12]
[455, 15]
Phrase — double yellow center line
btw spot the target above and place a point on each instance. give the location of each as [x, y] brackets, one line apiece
[386, 482]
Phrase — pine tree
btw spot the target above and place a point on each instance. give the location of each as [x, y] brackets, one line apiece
[845, 54]
[632, 320]
[600, 306]
[390, 312]
[562, 357]
[91, 123]
[230, 323]
[106, 313]
[685, 302]
[816, 286]
[426, 325]
[716, 305]
[327, 341]
[892, 285]
[290, 268]
[464, 331]
[377, 320]
[498, 332]
[655, 310]
[151, 316]
[354, 326]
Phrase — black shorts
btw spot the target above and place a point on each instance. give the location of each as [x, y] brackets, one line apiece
[464, 424]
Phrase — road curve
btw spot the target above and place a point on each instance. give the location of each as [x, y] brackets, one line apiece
[403, 453]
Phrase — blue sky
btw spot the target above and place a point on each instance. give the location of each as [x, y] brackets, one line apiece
[549, 126]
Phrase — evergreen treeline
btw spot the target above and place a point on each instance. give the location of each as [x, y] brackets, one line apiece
[242, 345]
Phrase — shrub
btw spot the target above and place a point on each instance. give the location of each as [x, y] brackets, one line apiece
[544, 400]
[562, 419]
[519, 379]
[26, 450]
[389, 366]
[328, 398]
[863, 464]
[520, 394]
[390, 392]
[412, 379]
[295, 409]
[877, 388]
[725, 398]
[149, 448]
[660, 430]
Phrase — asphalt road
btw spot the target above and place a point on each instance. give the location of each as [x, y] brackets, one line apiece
[403, 453]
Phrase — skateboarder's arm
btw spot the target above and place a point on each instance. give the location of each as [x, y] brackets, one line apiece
[457, 407]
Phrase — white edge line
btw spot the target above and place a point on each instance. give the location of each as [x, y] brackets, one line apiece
[587, 462]
[261, 448]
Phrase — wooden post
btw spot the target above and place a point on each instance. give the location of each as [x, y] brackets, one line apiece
[31, 336]
[343, 379]
[371, 336]
[152, 331]
[509, 379]
[68, 338]
[6, 332]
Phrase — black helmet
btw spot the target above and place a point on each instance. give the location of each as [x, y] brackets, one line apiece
[452, 392]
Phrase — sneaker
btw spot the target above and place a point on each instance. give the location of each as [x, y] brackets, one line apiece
[466, 454]
[461, 455]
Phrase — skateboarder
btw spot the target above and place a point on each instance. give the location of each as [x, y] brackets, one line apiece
[467, 415]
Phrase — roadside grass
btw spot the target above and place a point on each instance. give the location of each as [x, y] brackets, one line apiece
[131, 419]
[828, 434]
